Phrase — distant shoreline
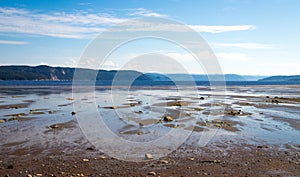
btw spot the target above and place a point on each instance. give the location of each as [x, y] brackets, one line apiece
[108, 84]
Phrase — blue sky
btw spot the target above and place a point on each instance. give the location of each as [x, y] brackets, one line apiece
[255, 37]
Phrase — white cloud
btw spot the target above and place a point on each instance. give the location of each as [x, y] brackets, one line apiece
[232, 57]
[280, 68]
[244, 45]
[145, 13]
[85, 25]
[62, 25]
[85, 3]
[13, 11]
[221, 29]
[43, 63]
[81, 18]
[13, 42]
[110, 65]
[162, 26]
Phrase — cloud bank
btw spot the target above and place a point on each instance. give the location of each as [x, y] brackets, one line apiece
[82, 24]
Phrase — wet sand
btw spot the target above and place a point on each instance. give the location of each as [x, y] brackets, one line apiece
[255, 134]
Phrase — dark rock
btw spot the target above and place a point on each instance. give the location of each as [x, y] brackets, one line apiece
[139, 112]
[10, 167]
[262, 146]
[90, 149]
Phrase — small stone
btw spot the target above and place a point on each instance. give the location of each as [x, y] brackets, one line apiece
[234, 113]
[132, 104]
[163, 161]
[73, 113]
[29, 175]
[140, 133]
[152, 173]
[50, 112]
[102, 157]
[139, 112]
[2, 121]
[85, 160]
[54, 126]
[198, 109]
[168, 118]
[201, 98]
[148, 156]
[218, 125]
[192, 158]
[38, 174]
[263, 146]
[217, 161]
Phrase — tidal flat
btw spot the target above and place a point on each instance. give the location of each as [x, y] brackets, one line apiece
[241, 131]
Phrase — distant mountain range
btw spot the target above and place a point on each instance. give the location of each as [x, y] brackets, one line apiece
[44, 72]
[295, 78]
[202, 77]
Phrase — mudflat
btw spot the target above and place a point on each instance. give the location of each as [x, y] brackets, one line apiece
[245, 131]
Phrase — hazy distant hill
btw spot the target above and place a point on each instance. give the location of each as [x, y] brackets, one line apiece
[295, 78]
[253, 77]
[202, 77]
[44, 72]
[62, 73]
